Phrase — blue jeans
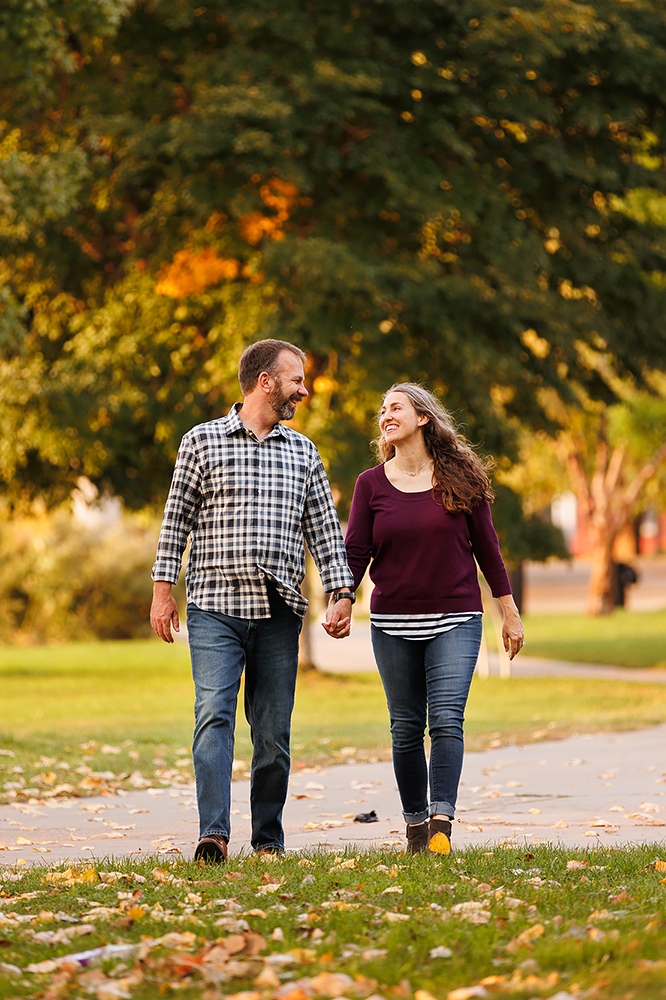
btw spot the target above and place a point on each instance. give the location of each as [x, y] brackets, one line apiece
[430, 677]
[220, 647]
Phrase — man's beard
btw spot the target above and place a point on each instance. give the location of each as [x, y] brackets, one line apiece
[284, 406]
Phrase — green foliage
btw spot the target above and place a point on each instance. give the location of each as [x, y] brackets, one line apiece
[421, 189]
[60, 580]
[525, 535]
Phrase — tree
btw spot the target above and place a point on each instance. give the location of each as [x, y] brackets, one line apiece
[407, 188]
[612, 453]
[611, 456]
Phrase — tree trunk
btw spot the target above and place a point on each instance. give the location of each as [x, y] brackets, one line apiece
[602, 590]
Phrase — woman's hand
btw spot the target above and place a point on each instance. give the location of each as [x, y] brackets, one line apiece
[513, 634]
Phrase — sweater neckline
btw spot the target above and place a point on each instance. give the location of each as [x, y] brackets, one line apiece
[418, 495]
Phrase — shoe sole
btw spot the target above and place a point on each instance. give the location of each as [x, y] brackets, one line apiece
[209, 852]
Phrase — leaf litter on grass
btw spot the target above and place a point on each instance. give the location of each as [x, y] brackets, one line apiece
[500, 922]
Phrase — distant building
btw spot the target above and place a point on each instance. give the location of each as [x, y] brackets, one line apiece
[645, 535]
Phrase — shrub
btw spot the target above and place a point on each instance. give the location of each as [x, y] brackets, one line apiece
[76, 573]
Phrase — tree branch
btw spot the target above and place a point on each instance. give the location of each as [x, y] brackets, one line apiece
[633, 490]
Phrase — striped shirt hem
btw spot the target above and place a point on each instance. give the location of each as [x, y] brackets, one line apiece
[420, 626]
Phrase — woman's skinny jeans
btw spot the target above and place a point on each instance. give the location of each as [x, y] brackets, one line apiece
[430, 676]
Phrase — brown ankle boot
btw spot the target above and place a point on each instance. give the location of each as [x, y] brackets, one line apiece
[439, 836]
[417, 838]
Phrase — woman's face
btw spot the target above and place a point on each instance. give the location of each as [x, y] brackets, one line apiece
[398, 420]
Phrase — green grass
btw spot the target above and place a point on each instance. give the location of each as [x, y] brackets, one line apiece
[83, 717]
[589, 923]
[623, 639]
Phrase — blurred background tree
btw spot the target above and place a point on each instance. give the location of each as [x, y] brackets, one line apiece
[439, 190]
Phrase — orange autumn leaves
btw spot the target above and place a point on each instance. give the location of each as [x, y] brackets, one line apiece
[281, 197]
[193, 271]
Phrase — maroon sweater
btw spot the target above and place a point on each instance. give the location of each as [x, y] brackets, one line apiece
[422, 555]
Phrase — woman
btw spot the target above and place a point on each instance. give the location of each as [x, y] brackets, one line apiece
[419, 520]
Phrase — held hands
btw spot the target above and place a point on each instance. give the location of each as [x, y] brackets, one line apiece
[164, 611]
[338, 618]
[513, 635]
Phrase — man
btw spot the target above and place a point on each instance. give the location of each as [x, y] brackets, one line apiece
[248, 492]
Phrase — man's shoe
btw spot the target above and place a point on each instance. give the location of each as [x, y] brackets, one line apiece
[274, 851]
[212, 848]
[439, 836]
[417, 838]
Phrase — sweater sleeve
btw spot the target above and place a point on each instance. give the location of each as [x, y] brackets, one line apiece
[485, 546]
[358, 540]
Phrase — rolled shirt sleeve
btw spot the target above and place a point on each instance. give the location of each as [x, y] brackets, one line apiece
[321, 530]
[180, 514]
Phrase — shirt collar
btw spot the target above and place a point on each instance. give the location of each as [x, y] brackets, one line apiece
[234, 424]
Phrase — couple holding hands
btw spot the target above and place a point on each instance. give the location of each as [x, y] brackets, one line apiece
[248, 492]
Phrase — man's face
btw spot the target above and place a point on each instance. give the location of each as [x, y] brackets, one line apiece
[288, 386]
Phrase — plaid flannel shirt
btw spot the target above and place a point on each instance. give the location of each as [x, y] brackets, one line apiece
[248, 506]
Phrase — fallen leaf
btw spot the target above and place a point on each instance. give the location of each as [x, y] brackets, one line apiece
[465, 992]
[161, 875]
[370, 954]
[331, 984]
[441, 951]
[525, 937]
[560, 825]
[42, 967]
[340, 865]
[267, 979]
[440, 843]
[472, 912]
[394, 918]
[72, 877]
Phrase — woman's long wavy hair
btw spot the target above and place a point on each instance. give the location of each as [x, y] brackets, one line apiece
[461, 477]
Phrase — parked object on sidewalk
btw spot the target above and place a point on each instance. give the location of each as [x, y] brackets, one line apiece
[625, 576]
[370, 817]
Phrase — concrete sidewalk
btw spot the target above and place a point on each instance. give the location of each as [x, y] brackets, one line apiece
[585, 790]
[354, 654]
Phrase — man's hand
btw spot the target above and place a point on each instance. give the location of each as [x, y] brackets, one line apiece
[164, 611]
[338, 618]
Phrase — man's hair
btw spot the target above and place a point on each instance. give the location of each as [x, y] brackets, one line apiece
[263, 357]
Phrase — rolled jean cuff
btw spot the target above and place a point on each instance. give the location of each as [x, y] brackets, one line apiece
[411, 818]
[442, 809]
[215, 833]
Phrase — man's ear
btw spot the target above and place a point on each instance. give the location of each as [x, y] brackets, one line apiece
[264, 382]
